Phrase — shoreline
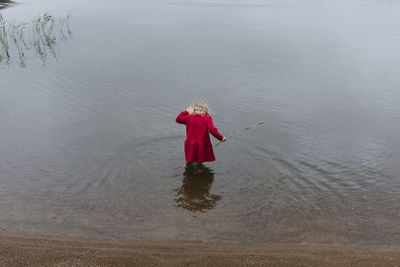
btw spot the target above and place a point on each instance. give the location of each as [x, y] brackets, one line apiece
[6, 3]
[29, 250]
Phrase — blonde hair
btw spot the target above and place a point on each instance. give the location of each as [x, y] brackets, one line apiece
[198, 107]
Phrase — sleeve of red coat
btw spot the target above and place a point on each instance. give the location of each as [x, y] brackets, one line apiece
[213, 130]
[182, 117]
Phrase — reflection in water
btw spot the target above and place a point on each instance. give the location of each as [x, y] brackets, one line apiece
[41, 36]
[194, 194]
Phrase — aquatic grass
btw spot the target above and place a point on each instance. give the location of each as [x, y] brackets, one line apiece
[17, 35]
[43, 34]
[4, 40]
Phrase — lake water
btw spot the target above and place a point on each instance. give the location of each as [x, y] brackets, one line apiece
[90, 147]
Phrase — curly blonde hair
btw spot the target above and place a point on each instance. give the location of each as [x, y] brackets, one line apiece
[198, 107]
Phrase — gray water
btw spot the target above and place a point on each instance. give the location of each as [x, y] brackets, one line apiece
[90, 147]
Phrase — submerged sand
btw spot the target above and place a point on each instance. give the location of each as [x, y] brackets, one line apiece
[18, 250]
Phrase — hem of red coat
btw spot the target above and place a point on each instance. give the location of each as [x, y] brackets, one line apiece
[200, 161]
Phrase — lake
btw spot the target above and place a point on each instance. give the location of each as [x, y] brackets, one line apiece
[90, 146]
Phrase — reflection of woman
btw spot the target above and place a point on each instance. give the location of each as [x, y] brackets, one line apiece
[194, 194]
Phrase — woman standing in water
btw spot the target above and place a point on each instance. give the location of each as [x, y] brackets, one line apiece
[198, 147]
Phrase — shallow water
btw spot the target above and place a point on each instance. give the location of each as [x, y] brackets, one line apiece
[90, 146]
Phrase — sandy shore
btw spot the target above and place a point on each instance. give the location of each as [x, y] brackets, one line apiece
[18, 250]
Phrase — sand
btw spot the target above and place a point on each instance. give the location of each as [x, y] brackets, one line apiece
[22, 250]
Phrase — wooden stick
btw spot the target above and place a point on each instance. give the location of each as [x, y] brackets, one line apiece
[239, 131]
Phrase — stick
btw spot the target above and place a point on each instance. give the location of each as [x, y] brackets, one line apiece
[239, 131]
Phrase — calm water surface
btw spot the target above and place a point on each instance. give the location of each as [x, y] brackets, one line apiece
[89, 144]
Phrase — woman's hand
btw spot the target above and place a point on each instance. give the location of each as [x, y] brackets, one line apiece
[224, 139]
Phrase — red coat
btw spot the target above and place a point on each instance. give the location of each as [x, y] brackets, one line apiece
[198, 146]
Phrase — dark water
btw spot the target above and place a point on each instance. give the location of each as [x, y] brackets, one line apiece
[89, 144]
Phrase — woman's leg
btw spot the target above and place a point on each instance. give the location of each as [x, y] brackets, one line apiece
[189, 166]
[197, 167]
[194, 167]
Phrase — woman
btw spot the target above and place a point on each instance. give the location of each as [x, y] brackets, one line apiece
[199, 124]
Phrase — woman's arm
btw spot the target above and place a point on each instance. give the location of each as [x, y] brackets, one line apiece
[182, 117]
[213, 130]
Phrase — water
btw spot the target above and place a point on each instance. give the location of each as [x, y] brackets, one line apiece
[90, 146]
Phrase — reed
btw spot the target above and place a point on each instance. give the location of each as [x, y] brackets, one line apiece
[42, 35]
[17, 36]
[4, 40]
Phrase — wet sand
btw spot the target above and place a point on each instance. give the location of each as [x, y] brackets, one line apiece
[22, 250]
